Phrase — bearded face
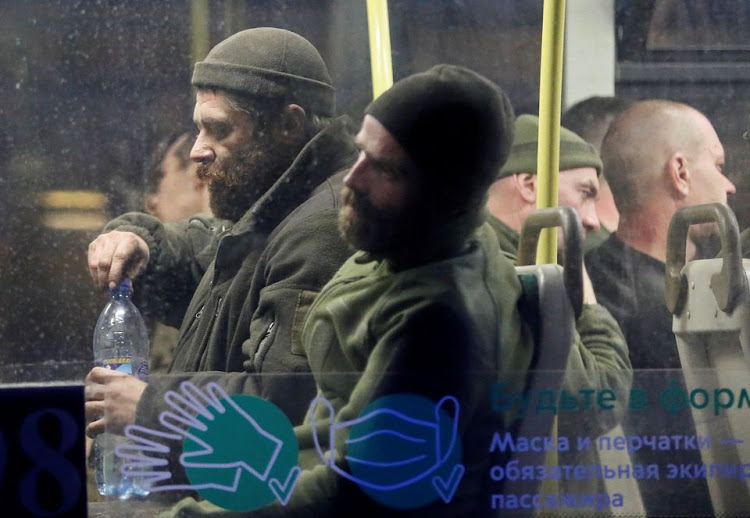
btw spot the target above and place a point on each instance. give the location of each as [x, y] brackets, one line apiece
[374, 230]
[236, 182]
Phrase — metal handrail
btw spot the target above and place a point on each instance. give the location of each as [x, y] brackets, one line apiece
[730, 282]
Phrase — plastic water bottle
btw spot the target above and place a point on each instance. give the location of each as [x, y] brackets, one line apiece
[121, 344]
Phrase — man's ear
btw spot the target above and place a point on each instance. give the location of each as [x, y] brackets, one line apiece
[678, 174]
[526, 185]
[290, 125]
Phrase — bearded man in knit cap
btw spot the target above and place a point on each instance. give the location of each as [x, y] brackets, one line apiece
[599, 355]
[424, 314]
[240, 286]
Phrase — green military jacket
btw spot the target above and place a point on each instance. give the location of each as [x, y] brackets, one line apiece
[447, 328]
[599, 357]
[452, 327]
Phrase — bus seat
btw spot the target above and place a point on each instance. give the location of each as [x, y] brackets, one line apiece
[549, 309]
[710, 303]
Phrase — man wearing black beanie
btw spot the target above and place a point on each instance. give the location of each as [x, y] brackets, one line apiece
[238, 287]
[423, 318]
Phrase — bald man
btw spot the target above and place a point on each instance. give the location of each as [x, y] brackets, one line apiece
[659, 156]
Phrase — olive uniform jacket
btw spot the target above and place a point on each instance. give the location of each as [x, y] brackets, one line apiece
[599, 356]
[448, 328]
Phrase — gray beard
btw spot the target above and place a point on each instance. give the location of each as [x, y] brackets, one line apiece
[235, 187]
[228, 202]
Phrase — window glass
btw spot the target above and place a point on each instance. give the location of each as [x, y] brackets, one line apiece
[700, 26]
[89, 89]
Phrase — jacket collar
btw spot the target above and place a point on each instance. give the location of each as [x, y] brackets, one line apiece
[435, 242]
[327, 152]
[507, 238]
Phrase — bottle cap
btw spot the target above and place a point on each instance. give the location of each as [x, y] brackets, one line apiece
[124, 288]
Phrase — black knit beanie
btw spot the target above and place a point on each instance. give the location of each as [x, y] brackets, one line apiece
[269, 62]
[456, 125]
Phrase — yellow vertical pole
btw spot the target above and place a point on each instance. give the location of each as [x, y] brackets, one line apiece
[199, 39]
[380, 46]
[548, 154]
[550, 103]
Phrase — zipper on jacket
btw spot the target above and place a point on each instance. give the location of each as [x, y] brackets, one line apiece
[208, 328]
[178, 358]
[262, 345]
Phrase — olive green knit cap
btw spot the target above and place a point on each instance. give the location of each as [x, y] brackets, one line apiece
[574, 151]
[269, 62]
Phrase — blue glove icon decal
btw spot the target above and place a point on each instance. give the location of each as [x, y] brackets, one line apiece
[403, 450]
[239, 451]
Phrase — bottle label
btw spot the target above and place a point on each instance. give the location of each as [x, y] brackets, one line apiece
[120, 364]
[142, 371]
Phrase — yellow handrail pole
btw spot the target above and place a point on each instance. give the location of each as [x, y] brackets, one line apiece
[199, 38]
[548, 154]
[380, 46]
[550, 103]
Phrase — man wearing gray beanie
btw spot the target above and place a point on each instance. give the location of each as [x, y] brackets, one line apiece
[239, 287]
[424, 316]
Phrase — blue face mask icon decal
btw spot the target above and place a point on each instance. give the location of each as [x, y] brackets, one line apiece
[403, 450]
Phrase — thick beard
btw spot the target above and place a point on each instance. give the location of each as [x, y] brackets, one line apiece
[236, 184]
[366, 228]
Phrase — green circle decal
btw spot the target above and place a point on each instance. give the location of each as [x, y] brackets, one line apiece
[249, 454]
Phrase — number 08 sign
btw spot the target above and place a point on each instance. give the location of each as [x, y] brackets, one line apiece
[42, 470]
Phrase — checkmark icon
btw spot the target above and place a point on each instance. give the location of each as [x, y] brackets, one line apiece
[447, 488]
[284, 492]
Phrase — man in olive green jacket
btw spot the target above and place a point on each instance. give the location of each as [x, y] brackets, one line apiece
[426, 311]
[599, 356]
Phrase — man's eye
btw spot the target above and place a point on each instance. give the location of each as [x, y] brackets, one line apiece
[384, 170]
[218, 130]
[387, 172]
[393, 175]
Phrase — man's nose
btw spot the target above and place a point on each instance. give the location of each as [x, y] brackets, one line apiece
[201, 152]
[589, 219]
[729, 186]
[355, 179]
